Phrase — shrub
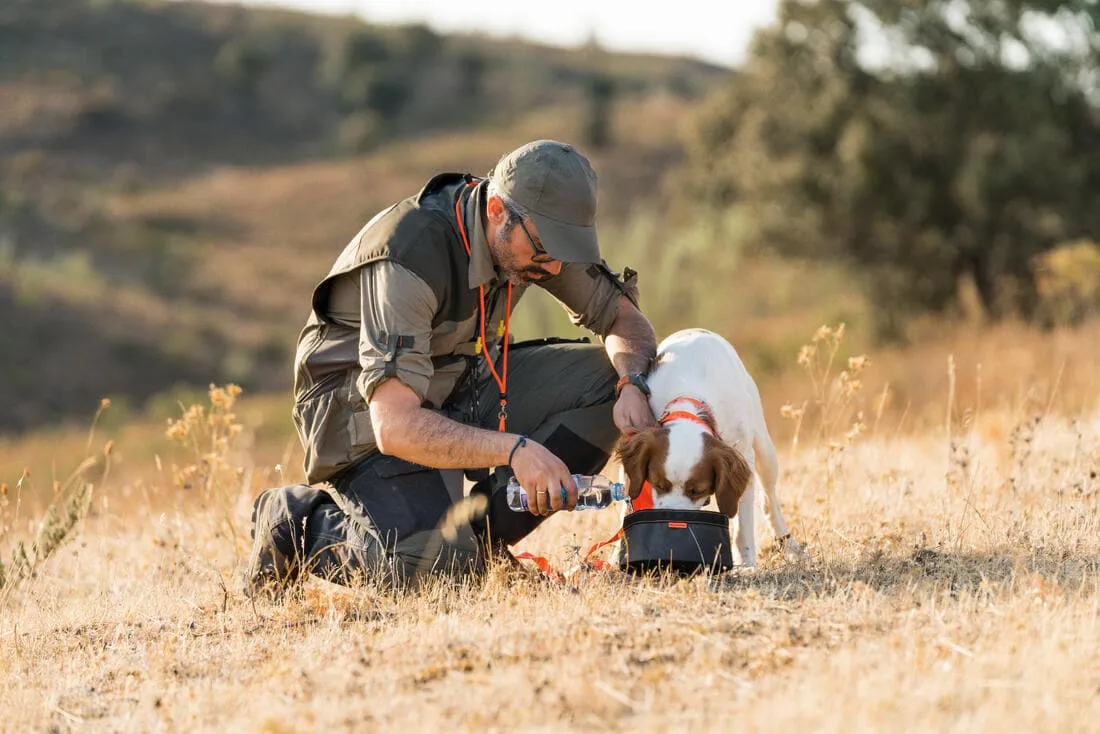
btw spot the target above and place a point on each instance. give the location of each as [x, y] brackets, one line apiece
[1068, 280]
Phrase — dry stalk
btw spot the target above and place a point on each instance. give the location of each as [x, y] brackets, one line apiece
[59, 521]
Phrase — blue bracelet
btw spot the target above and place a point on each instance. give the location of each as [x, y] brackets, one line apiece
[520, 442]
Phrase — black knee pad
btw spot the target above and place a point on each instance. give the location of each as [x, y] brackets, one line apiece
[405, 506]
[400, 498]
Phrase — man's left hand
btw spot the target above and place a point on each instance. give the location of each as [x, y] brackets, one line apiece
[632, 412]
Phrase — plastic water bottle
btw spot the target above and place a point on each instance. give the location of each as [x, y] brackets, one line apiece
[593, 493]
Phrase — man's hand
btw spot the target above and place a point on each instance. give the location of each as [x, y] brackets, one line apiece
[632, 412]
[543, 475]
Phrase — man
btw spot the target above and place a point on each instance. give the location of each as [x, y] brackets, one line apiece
[406, 378]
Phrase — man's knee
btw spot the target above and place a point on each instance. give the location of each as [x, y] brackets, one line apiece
[592, 376]
[282, 515]
[393, 516]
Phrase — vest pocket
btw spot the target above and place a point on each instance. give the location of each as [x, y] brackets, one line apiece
[305, 350]
[360, 430]
[323, 432]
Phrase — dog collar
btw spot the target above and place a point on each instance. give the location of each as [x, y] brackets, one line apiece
[704, 417]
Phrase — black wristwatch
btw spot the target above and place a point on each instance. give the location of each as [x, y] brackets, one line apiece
[637, 379]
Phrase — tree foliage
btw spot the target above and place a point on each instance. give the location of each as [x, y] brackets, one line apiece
[923, 141]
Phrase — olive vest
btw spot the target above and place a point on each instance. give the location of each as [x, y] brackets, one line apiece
[421, 234]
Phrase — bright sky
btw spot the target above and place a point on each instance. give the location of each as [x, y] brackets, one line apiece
[709, 29]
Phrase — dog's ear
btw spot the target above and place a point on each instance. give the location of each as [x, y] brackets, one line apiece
[635, 453]
[731, 473]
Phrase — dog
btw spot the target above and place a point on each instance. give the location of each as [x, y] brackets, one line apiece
[710, 441]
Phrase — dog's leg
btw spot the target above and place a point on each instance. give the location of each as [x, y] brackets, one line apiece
[746, 526]
[767, 467]
[746, 515]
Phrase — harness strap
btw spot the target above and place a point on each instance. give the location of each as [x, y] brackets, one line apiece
[683, 415]
[704, 417]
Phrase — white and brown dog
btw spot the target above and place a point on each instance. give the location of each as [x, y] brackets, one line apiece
[711, 439]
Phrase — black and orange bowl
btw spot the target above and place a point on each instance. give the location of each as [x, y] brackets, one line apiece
[683, 542]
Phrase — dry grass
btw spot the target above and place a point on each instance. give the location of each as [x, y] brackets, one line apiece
[952, 586]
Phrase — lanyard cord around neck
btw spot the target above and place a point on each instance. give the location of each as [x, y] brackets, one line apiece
[500, 378]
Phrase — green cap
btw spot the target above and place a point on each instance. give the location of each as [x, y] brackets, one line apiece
[556, 185]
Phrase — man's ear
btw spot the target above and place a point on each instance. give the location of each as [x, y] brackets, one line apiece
[496, 211]
[732, 474]
[635, 453]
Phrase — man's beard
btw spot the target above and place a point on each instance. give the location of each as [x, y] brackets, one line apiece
[526, 276]
[511, 270]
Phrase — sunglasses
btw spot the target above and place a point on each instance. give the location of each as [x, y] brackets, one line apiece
[541, 255]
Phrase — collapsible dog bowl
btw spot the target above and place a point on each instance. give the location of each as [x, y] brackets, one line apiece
[681, 541]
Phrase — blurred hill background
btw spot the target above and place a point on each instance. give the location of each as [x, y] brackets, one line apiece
[176, 176]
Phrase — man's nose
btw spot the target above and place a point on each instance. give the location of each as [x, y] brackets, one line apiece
[553, 267]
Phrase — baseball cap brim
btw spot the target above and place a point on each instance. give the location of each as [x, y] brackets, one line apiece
[571, 243]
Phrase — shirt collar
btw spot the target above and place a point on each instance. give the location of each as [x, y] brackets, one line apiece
[482, 270]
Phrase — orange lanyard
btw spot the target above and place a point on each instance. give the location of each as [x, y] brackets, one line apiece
[501, 379]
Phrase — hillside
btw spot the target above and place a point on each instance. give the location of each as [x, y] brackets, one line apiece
[174, 177]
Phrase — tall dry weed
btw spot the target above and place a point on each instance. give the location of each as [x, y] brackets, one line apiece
[209, 436]
[832, 417]
[57, 523]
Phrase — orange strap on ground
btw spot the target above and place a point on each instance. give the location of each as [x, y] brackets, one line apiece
[542, 563]
[598, 563]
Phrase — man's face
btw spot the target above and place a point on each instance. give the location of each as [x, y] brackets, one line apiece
[516, 248]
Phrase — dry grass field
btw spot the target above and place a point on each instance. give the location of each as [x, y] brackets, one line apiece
[951, 585]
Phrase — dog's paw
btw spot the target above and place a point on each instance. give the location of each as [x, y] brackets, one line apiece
[747, 558]
[792, 548]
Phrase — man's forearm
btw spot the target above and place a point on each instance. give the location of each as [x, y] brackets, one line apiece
[631, 343]
[430, 438]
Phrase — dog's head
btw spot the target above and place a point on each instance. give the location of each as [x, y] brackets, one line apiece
[684, 468]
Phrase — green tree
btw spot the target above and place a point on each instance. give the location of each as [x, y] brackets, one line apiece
[363, 47]
[472, 66]
[600, 93]
[242, 62]
[419, 43]
[923, 141]
[383, 89]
